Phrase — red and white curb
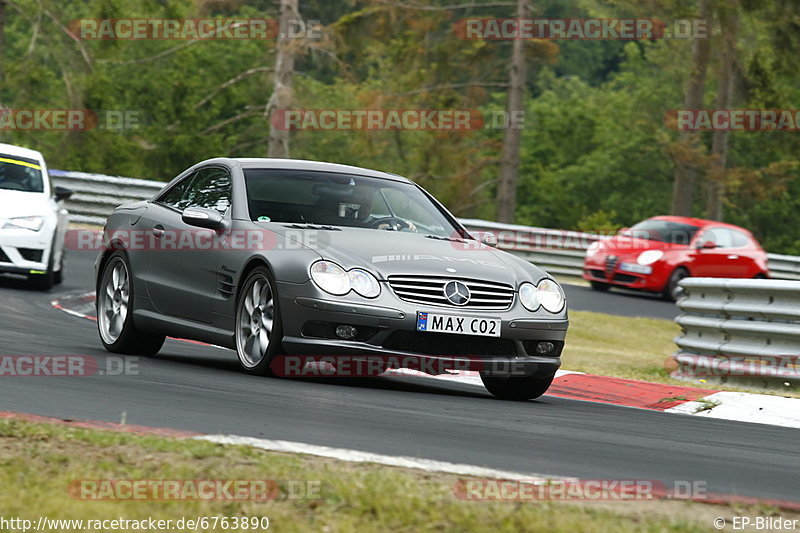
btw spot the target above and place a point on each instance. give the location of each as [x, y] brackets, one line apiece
[678, 399]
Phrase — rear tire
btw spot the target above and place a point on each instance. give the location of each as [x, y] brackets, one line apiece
[673, 291]
[517, 388]
[600, 286]
[115, 305]
[258, 330]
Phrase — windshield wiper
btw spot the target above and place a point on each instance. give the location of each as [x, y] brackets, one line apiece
[438, 238]
[312, 226]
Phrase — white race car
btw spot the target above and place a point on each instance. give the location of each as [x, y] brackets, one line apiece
[33, 220]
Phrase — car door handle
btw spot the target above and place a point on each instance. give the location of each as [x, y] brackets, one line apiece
[733, 256]
[158, 231]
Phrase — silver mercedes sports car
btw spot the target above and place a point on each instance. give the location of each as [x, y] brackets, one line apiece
[285, 261]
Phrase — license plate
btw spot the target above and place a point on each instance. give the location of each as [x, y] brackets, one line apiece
[464, 325]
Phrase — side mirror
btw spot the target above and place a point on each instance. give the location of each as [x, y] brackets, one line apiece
[708, 245]
[61, 193]
[203, 218]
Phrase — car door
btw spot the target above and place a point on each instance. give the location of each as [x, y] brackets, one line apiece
[182, 269]
[748, 254]
[724, 260]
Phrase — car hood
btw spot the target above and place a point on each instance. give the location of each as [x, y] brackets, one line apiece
[23, 204]
[388, 252]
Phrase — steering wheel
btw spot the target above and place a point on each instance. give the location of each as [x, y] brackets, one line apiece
[395, 223]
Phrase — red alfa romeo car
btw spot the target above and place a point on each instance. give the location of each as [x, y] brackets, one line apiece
[654, 255]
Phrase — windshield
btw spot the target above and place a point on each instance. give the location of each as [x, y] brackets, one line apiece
[328, 198]
[20, 174]
[663, 231]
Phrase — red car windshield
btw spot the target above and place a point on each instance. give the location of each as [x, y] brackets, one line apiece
[663, 231]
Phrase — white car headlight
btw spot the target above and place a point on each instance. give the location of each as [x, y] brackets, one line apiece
[527, 295]
[550, 295]
[648, 257]
[546, 294]
[31, 223]
[333, 279]
[593, 248]
[364, 283]
[330, 277]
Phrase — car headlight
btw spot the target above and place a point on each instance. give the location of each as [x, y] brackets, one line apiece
[527, 295]
[550, 295]
[364, 283]
[31, 223]
[648, 257]
[333, 279]
[330, 277]
[546, 294]
[593, 249]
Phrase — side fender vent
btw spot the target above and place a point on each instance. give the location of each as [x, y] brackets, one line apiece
[225, 284]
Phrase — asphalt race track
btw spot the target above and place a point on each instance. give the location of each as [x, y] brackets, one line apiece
[620, 302]
[199, 388]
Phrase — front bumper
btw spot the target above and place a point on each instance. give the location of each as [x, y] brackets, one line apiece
[387, 326]
[613, 272]
[24, 252]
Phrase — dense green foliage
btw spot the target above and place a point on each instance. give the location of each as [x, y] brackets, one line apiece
[596, 153]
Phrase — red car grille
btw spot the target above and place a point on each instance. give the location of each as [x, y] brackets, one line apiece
[611, 264]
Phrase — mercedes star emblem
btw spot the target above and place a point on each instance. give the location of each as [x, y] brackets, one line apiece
[456, 292]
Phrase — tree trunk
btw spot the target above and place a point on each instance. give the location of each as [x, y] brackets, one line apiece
[509, 162]
[281, 98]
[685, 175]
[729, 21]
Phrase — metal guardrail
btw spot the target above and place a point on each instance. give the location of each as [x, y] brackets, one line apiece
[95, 196]
[727, 323]
[562, 251]
[784, 266]
[559, 252]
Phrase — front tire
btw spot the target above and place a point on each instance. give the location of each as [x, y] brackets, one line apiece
[258, 328]
[58, 277]
[517, 388]
[46, 281]
[115, 307]
[599, 286]
[673, 291]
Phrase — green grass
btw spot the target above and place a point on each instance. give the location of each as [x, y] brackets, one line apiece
[635, 348]
[40, 460]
